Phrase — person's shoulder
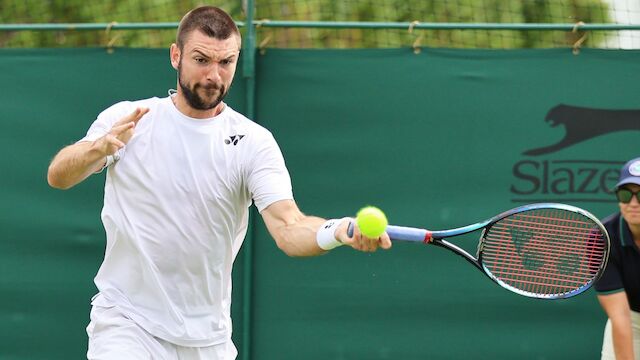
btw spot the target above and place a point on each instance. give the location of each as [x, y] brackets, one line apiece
[125, 107]
[148, 103]
[611, 220]
[238, 119]
[611, 224]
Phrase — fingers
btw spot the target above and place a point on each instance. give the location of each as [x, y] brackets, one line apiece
[360, 242]
[120, 133]
[108, 144]
[385, 241]
[114, 141]
[120, 129]
[123, 129]
[134, 117]
[138, 114]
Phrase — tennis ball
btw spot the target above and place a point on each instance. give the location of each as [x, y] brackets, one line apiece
[371, 221]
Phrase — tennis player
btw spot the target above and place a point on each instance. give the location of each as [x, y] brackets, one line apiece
[182, 172]
[619, 287]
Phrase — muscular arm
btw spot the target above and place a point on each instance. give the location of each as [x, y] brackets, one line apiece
[76, 162]
[295, 232]
[617, 308]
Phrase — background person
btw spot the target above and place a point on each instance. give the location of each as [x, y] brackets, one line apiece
[619, 287]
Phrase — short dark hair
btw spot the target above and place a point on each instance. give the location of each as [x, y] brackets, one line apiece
[211, 20]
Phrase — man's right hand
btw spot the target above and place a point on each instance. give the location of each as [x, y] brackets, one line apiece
[76, 162]
[120, 134]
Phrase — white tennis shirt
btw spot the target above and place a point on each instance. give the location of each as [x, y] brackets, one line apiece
[176, 212]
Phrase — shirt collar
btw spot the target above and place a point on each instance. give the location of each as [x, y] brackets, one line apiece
[625, 233]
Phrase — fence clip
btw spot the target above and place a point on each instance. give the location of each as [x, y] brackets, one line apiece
[262, 47]
[582, 39]
[416, 42]
[110, 41]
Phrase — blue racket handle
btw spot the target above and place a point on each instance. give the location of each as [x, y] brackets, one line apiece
[402, 233]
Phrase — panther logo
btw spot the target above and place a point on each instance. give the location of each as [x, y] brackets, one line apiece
[582, 123]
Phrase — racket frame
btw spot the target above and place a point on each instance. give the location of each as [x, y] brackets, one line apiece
[437, 238]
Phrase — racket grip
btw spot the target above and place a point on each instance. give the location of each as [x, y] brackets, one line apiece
[402, 233]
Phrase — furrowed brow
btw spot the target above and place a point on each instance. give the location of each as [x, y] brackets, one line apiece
[200, 53]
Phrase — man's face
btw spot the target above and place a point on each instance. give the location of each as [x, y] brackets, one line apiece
[631, 211]
[206, 67]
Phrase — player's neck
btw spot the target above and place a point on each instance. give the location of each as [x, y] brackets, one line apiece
[183, 106]
[635, 233]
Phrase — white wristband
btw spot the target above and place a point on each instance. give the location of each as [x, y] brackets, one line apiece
[111, 159]
[326, 235]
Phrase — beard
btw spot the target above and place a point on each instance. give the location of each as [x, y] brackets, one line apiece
[194, 99]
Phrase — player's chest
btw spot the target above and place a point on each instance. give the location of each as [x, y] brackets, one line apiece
[630, 259]
[183, 163]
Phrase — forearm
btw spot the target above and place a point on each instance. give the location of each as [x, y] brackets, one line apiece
[297, 234]
[298, 238]
[73, 164]
[622, 338]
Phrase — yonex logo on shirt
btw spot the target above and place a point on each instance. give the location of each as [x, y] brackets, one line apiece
[233, 139]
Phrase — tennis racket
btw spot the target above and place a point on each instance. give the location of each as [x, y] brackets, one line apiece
[545, 251]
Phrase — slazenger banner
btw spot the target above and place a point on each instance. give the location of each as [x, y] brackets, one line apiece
[552, 178]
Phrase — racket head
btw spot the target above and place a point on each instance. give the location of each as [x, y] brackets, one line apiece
[545, 250]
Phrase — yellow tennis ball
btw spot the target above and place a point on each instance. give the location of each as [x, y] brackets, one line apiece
[371, 221]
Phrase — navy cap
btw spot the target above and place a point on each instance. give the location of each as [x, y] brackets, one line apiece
[630, 173]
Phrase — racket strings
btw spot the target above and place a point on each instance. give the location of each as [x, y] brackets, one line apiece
[545, 251]
[560, 245]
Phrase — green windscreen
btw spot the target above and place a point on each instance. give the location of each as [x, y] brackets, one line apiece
[441, 139]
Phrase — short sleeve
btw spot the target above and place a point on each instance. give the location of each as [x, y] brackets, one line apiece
[103, 124]
[268, 178]
[611, 279]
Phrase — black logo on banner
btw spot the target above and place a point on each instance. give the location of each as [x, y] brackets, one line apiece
[565, 180]
[582, 124]
[557, 179]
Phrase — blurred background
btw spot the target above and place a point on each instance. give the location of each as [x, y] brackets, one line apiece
[436, 11]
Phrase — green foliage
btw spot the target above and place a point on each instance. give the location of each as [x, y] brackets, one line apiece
[94, 11]
[464, 11]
